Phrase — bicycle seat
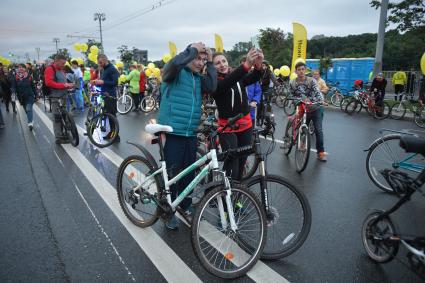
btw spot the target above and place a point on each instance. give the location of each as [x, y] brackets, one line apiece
[413, 144]
[157, 128]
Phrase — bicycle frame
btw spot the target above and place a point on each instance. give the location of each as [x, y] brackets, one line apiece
[298, 124]
[211, 156]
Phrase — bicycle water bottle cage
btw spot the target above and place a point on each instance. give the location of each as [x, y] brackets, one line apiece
[399, 181]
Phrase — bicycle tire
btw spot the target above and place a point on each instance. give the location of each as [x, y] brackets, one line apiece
[419, 117]
[71, 130]
[288, 139]
[371, 234]
[336, 98]
[281, 239]
[280, 99]
[203, 224]
[126, 101]
[148, 104]
[384, 145]
[302, 155]
[344, 103]
[113, 127]
[289, 107]
[385, 112]
[398, 110]
[351, 106]
[129, 201]
[311, 128]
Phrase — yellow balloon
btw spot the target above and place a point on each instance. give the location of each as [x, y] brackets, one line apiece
[77, 47]
[94, 49]
[276, 72]
[123, 78]
[293, 76]
[80, 61]
[148, 72]
[151, 66]
[166, 58]
[285, 71]
[120, 64]
[423, 63]
[93, 57]
[84, 47]
[157, 72]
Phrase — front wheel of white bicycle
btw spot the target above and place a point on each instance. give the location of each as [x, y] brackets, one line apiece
[224, 251]
[124, 104]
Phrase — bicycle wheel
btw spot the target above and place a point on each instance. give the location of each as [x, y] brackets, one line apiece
[250, 167]
[302, 150]
[398, 110]
[71, 129]
[225, 252]
[344, 101]
[336, 98]
[103, 130]
[289, 107]
[141, 210]
[382, 111]
[288, 138]
[311, 128]
[289, 217]
[351, 106]
[386, 153]
[124, 104]
[420, 117]
[280, 99]
[375, 238]
[148, 103]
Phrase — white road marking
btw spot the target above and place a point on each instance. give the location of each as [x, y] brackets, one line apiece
[260, 272]
[160, 254]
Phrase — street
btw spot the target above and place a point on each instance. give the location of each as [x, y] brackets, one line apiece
[61, 220]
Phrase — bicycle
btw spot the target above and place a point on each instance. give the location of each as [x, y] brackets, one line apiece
[124, 101]
[288, 223]
[399, 109]
[279, 93]
[222, 216]
[297, 133]
[380, 236]
[69, 129]
[335, 95]
[102, 128]
[152, 100]
[385, 153]
[363, 99]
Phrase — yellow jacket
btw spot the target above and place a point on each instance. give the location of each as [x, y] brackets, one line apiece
[399, 78]
[322, 86]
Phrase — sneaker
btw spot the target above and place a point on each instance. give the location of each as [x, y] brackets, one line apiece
[172, 224]
[61, 141]
[31, 126]
[322, 156]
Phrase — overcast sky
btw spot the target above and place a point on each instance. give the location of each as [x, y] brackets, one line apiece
[26, 24]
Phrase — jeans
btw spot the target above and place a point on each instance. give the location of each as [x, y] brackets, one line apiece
[234, 166]
[57, 121]
[179, 153]
[317, 117]
[28, 110]
[78, 98]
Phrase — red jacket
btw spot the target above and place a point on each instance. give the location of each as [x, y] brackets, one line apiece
[49, 75]
[142, 82]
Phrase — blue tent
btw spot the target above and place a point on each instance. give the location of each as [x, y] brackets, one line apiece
[346, 70]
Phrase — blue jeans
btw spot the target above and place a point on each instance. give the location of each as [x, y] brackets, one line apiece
[28, 110]
[179, 153]
[317, 117]
[78, 98]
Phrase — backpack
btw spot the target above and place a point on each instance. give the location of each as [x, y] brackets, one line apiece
[45, 89]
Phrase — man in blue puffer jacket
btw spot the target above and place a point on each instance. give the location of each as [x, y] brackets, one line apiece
[181, 101]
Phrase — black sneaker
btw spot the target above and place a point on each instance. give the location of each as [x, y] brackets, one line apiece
[61, 140]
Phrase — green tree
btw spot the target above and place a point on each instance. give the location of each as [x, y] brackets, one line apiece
[62, 51]
[238, 51]
[406, 14]
[324, 64]
[276, 46]
[125, 54]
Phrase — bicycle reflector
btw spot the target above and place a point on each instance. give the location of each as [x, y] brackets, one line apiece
[229, 256]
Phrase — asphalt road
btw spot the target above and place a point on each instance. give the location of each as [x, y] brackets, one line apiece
[60, 219]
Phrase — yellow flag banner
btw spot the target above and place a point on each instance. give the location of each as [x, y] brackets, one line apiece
[300, 44]
[218, 43]
[173, 49]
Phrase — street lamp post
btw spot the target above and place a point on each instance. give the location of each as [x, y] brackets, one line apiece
[100, 17]
[56, 41]
[377, 68]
